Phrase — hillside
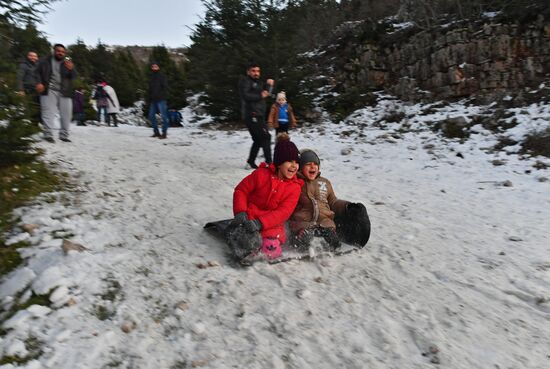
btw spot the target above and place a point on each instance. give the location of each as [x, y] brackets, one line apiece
[445, 279]
[141, 53]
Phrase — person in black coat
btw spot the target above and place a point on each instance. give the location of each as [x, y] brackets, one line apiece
[253, 93]
[157, 93]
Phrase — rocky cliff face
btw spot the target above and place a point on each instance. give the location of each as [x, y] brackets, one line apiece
[482, 58]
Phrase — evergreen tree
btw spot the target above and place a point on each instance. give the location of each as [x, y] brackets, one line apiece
[28, 39]
[82, 59]
[16, 130]
[17, 12]
[232, 34]
[102, 61]
[174, 73]
[126, 78]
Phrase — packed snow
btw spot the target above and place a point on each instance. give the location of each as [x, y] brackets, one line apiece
[456, 273]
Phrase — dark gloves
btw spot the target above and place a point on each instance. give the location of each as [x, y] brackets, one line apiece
[253, 225]
[331, 238]
[249, 225]
[303, 239]
[240, 218]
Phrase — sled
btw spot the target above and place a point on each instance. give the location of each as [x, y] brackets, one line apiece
[318, 248]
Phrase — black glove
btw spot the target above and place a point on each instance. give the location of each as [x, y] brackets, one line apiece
[303, 239]
[330, 237]
[253, 225]
[240, 218]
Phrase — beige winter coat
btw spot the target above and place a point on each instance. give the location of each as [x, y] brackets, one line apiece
[316, 206]
[113, 105]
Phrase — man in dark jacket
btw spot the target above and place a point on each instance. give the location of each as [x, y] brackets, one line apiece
[54, 82]
[253, 93]
[26, 83]
[158, 90]
[26, 80]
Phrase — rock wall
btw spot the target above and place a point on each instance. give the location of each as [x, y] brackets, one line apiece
[449, 62]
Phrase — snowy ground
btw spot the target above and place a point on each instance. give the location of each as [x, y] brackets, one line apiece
[457, 271]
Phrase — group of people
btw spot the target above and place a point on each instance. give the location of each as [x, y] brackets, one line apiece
[291, 189]
[106, 103]
[48, 85]
[286, 187]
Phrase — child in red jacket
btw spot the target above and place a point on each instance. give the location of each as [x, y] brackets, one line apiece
[263, 201]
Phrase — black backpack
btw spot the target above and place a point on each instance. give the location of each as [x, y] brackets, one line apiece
[100, 93]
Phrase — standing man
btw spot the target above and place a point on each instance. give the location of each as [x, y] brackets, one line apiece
[26, 83]
[158, 90]
[54, 76]
[253, 93]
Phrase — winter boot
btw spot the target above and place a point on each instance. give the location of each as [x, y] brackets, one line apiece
[271, 248]
[251, 164]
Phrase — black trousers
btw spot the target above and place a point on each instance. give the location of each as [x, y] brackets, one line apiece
[260, 138]
[109, 116]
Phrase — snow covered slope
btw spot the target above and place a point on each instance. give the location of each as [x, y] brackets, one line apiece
[457, 270]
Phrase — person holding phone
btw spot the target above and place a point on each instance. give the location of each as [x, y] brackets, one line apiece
[55, 75]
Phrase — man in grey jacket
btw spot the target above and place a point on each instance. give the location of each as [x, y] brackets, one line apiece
[54, 76]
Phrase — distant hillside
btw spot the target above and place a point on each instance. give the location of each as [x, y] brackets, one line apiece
[141, 53]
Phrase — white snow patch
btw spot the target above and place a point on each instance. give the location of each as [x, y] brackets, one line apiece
[446, 265]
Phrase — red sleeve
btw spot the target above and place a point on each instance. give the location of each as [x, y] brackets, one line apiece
[285, 209]
[243, 191]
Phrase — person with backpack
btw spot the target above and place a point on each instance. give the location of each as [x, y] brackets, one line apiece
[101, 100]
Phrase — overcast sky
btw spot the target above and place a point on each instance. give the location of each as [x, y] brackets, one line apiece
[122, 22]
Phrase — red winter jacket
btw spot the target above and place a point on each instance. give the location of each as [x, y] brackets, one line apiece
[266, 197]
